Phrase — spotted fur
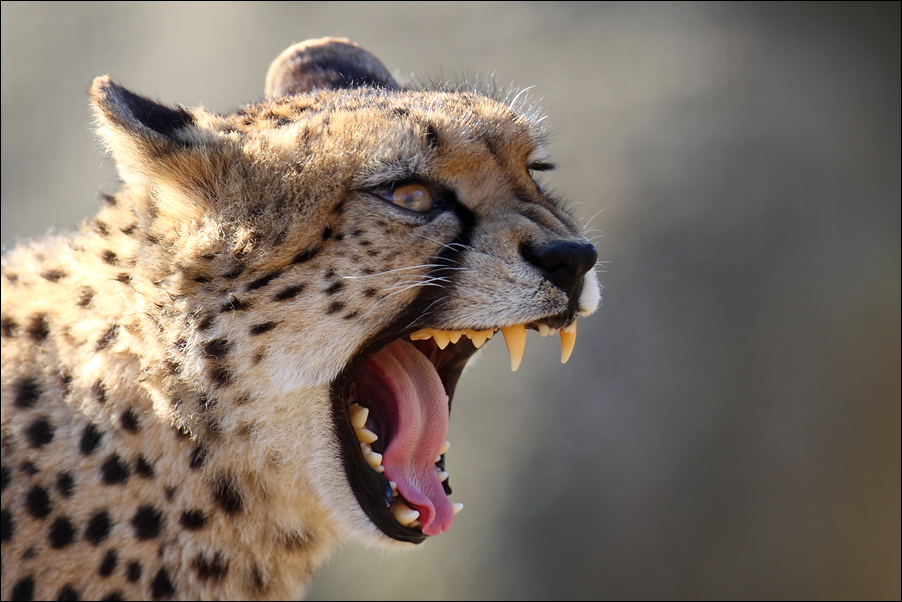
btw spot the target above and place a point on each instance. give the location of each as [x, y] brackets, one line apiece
[166, 428]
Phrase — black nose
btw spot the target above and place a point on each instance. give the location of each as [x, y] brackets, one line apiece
[562, 262]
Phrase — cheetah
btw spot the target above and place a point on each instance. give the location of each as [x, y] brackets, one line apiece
[248, 355]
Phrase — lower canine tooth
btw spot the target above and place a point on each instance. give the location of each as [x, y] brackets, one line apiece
[442, 476]
[403, 514]
[568, 340]
[456, 507]
[515, 337]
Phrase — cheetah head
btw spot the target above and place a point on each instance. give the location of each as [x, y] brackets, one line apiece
[323, 264]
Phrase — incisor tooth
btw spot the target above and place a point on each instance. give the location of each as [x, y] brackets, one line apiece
[544, 330]
[442, 476]
[515, 337]
[394, 488]
[359, 415]
[374, 459]
[568, 340]
[444, 448]
[456, 507]
[366, 435]
[403, 514]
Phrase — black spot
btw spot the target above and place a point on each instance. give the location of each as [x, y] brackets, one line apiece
[113, 596]
[29, 468]
[108, 257]
[26, 392]
[108, 199]
[193, 519]
[365, 243]
[8, 327]
[98, 391]
[334, 307]
[227, 495]
[6, 477]
[214, 569]
[62, 533]
[123, 277]
[129, 421]
[37, 502]
[29, 553]
[370, 292]
[201, 279]
[330, 273]
[108, 564]
[432, 138]
[339, 237]
[90, 440]
[220, 376]
[257, 579]
[84, 296]
[98, 528]
[206, 323]
[133, 571]
[351, 315]
[289, 293]
[217, 348]
[6, 525]
[107, 338]
[101, 228]
[23, 589]
[170, 493]
[198, 455]
[39, 433]
[338, 209]
[263, 281]
[65, 382]
[327, 233]
[143, 467]
[372, 253]
[129, 230]
[161, 587]
[305, 255]
[114, 470]
[234, 304]
[38, 328]
[147, 522]
[53, 275]
[335, 287]
[261, 328]
[68, 594]
[234, 272]
[65, 484]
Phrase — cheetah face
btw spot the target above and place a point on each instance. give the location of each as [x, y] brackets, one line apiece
[364, 242]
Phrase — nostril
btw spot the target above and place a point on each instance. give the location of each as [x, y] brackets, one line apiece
[562, 262]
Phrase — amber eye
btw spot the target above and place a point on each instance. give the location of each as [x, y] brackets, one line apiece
[415, 197]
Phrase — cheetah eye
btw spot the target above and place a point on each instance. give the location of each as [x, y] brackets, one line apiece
[415, 197]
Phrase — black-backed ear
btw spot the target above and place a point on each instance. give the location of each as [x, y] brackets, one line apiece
[145, 121]
[326, 63]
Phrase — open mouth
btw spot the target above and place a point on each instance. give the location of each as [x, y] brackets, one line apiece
[391, 408]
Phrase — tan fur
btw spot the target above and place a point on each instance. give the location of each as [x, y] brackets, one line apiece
[155, 327]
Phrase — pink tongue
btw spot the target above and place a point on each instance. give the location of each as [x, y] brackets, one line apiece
[410, 379]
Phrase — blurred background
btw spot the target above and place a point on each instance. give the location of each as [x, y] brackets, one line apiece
[729, 424]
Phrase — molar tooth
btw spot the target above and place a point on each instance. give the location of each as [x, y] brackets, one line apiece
[544, 329]
[366, 435]
[358, 414]
[403, 514]
[374, 459]
[444, 447]
[515, 337]
[422, 335]
[568, 340]
[456, 507]
[442, 338]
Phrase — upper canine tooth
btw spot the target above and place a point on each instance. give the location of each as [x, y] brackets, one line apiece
[358, 415]
[568, 340]
[422, 335]
[515, 337]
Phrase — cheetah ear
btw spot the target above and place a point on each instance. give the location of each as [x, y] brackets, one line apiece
[331, 63]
